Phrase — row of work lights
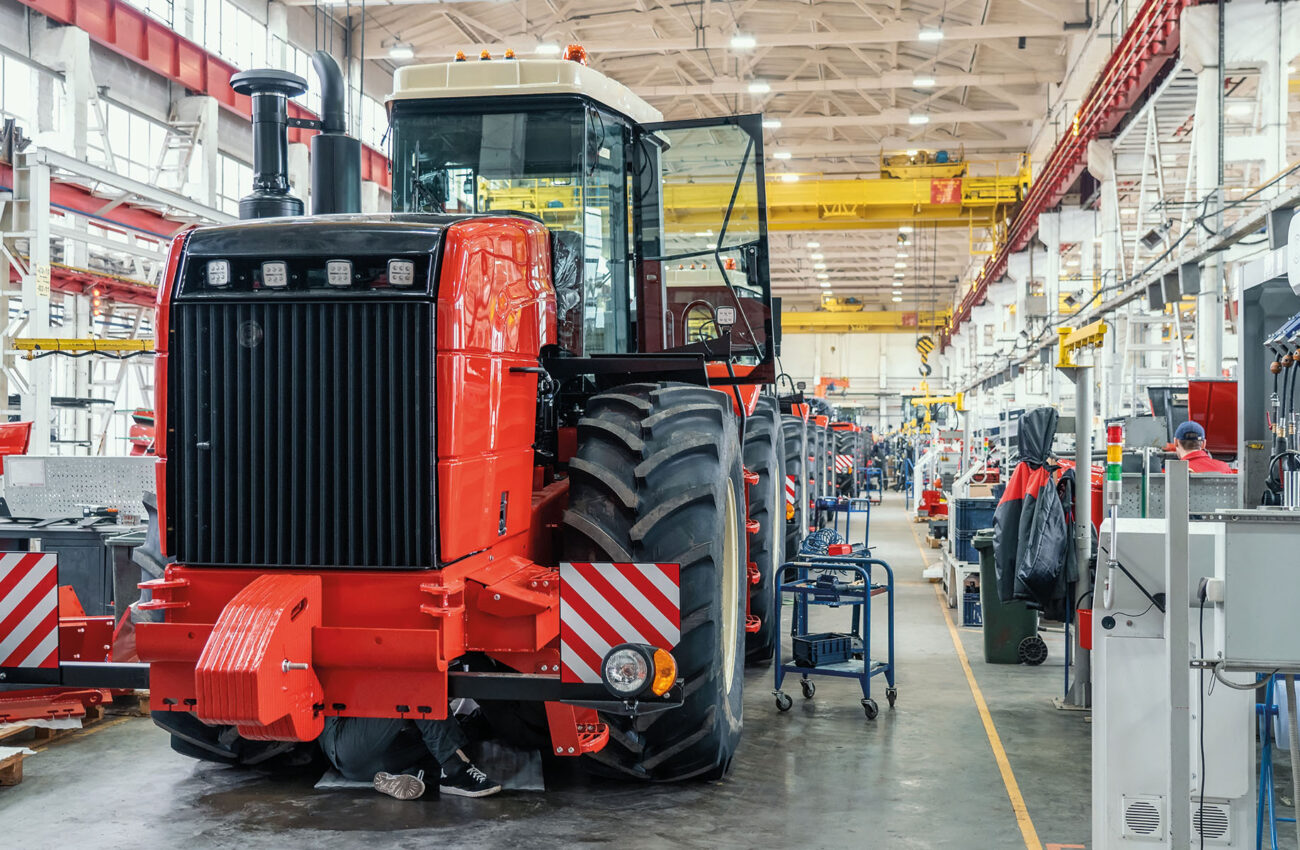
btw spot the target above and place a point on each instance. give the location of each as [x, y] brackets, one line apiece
[340, 274]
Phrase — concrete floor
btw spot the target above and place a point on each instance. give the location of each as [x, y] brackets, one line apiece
[819, 776]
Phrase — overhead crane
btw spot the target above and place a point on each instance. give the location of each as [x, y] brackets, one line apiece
[920, 193]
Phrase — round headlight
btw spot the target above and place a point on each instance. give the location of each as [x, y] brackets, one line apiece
[626, 671]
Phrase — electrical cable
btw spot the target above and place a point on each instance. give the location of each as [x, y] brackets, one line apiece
[1199, 820]
[1217, 669]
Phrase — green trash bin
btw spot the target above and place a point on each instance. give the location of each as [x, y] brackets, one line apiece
[1010, 628]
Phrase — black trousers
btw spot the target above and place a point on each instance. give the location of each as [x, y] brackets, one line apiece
[360, 747]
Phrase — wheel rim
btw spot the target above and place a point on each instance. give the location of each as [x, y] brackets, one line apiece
[730, 591]
[775, 530]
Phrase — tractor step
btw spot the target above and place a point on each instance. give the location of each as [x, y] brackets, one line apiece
[754, 575]
[752, 624]
[752, 526]
[575, 730]
[592, 737]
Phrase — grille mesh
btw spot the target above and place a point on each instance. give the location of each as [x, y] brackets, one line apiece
[302, 434]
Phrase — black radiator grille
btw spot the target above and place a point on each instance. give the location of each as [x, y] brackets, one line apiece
[301, 433]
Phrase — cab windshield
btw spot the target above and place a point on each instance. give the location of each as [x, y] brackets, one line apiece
[564, 164]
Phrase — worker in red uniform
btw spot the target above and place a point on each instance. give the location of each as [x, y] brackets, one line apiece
[1189, 442]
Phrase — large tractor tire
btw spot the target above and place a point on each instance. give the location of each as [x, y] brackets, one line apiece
[765, 455]
[657, 477]
[846, 444]
[221, 744]
[793, 435]
[816, 455]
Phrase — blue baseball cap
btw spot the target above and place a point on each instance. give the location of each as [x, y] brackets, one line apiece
[1189, 430]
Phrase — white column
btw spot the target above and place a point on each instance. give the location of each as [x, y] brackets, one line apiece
[1209, 319]
[203, 112]
[35, 404]
[66, 49]
[1049, 231]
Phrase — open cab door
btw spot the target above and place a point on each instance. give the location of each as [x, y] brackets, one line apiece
[700, 218]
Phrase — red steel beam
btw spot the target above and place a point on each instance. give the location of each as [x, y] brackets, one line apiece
[117, 290]
[129, 32]
[1147, 46]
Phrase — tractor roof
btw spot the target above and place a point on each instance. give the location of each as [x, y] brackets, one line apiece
[515, 77]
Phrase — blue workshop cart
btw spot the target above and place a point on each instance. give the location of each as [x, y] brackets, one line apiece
[843, 506]
[853, 581]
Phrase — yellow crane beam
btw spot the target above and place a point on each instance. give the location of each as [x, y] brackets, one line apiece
[39, 346]
[811, 203]
[835, 204]
[861, 321]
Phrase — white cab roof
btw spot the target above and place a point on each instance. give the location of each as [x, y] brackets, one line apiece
[501, 77]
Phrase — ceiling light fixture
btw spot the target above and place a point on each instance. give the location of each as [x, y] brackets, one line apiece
[401, 52]
[930, 34]
[923, 82]
[900, 265]
[771, 123]
[819, 266]
[760, 87]
[913, 152]
[902, 255]
[822, 276]
[781, 155]
[918, 119]
[825, 283]
[814, 245]
[905, 228]
[897, 292]
[897, 299]
[1240, 109]
[816, 256]
[788, 177]
[547, 48]
[740, 41]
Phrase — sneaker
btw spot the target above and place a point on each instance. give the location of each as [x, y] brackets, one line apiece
[400, 786]
[466, 780]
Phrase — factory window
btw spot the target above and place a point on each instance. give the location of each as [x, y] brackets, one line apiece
[18, 93]
[136, 142]
[234, 181]
[233, 34]
[163, 10]
[374, 122]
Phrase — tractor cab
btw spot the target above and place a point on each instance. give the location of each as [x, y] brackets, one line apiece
[659, 228]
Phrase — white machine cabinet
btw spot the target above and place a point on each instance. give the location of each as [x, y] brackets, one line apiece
[1131, 705]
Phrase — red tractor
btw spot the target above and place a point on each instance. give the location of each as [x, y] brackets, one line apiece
[481, 446]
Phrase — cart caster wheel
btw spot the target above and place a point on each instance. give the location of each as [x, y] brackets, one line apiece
[1032, 651]
[783, 702]
[809, 688]
[870, 707]
[891, 694]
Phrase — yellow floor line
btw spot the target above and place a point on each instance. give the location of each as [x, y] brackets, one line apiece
[1027, 830]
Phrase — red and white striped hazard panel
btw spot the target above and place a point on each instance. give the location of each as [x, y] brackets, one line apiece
[29, 610]
[604, 605]
[791, 492]
[844, 463]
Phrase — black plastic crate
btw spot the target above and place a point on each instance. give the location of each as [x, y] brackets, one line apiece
[823, 648]
[972, 613]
